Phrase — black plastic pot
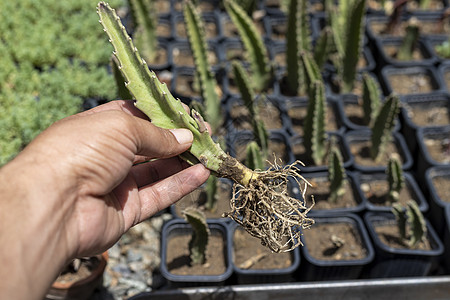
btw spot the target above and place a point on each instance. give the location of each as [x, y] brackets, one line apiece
[318, 178]
[258, 276]
[437, 204]
[313, 269]
[333, 88]
[420, 105]
[309, 167]
[178, 227]
[356, 136]
[209, 19]
[243, 121]
[392, 262]
[385, 57]
[447, 239]
[354, 121]
[296, 119]
[421, 73]
[410, 184]
[444, 71]
[437, 137]
[432, 43]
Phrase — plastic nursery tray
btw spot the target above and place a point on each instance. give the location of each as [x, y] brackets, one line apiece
[399, 288]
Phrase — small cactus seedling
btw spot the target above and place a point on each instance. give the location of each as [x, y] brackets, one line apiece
[395, 177]
[248, 96]
[383, 126]
[336, 174]
[443, 49]
[314, 127]
[411, 223]
[144, 14]
[211, 193]
[254, 159]
[208, 83]
[347, 24]
[256, 51]
[409, 42]
[371, 98]
[262, 196]
[200, 235]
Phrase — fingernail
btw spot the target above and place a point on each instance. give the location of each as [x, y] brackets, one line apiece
[183, 136]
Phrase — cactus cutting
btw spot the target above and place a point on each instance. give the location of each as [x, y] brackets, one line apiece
[261, 201]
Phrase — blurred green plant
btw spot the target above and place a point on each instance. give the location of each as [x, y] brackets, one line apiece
[52, 56]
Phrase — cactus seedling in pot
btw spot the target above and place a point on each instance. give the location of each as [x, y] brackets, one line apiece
[405, 52]
[262, 205]
[336, 173]
[411, 223]
[200, 235]
[395, 178]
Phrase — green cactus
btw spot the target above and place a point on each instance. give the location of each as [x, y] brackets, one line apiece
[248, 6]
[443, 49]
[409, 42]
[262, 72]
[323, 46]
[254, 158]
[259, 131]
[145, 16]
[336, 174]
[371, 98]
[395, 178]
[211, 193]
[383, 126]
[314, 127]
[347, 24]
[200, 235]
[298, 38]
[208, 83]
[411, 223]
[122, 90]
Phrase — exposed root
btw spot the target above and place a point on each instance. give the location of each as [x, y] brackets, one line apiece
[265, 209]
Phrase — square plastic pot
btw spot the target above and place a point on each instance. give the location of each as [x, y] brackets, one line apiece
[209, 19]
[313, 269]
[261, 276]
[444, 72]
[410, 184]
[432, 135]
[393, 262]
[356, 136]
[437, 205]
[179, 227]
[446, 255]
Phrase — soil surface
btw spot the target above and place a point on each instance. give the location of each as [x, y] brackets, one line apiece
[210, 26]
[335, 241]
[321, 191]
[410, 83]
[268, 113]
[376, 192]
[438, 149]
[160, 58]
[361, 153]
[390, 236]
[250, 254]
[197, 198]
[427, 27]
[428, 114]
[355, 113]
[184, 57]
[179, 263]
[441, 184]
[392, 50]
[298, 115]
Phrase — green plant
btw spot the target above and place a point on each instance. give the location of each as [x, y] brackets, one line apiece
[208, 84]
[371, 98]
[443, 49]
[409, 42]
[411, 223]
[263, 195]
[261, 69]
[383, 126]
[211, 193]
[395, 178]
[254, 158]
[347, 24]
[145, 18]
[336, 173]
[314, 137]
[200, 235]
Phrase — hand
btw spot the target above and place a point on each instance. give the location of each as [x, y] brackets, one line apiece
[87, 179]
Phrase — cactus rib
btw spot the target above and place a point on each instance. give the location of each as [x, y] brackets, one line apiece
[200, 235]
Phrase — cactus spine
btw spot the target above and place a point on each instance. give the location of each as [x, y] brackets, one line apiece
[248, 96]
[411, 223]
[336, 174]
[314, 127]
[297, 40]
[383, 126]
[254, 46]
[144, 14]
[395, 177]
[371, 98]
[122, 90]
[347, 23]
[200, 235]
[208, 84]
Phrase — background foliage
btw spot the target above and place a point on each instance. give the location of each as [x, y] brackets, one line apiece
[53, 55]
